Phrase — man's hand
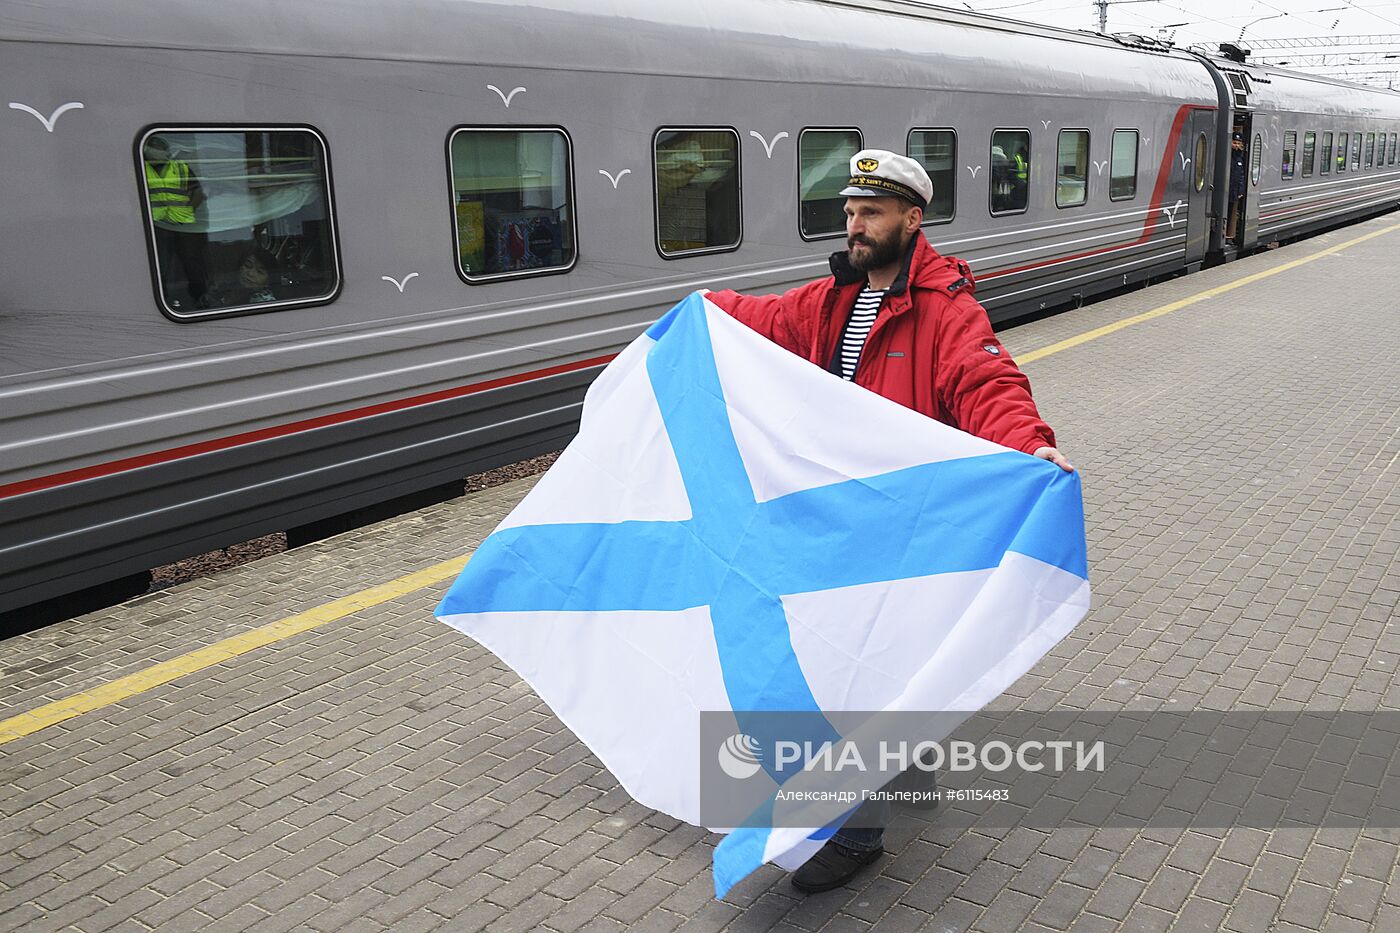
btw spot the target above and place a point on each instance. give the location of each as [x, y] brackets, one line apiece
[1055, 457]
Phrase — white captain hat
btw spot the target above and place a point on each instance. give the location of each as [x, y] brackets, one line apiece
[879, 173]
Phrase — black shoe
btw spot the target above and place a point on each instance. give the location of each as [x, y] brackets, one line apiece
[832, 867]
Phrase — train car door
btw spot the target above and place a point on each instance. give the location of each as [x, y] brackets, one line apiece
[1247, 231]
[1195, 157]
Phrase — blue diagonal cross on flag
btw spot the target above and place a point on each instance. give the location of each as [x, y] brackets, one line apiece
[735, 529]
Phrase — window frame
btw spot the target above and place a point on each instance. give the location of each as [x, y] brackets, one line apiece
[1324, 162]
[1371, 150]
[1137, 163]
[1030, 149]
[184, 317]
[1201, 156]
[656, 189]
[908, 144]
[805, 130]
[1088, 157]
[1256, 161]
[1343, 151]
[571, 189]
[1288, 164]
[1309, 157]
[1356, 149]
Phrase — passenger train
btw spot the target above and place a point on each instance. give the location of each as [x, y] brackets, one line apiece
[270, 263]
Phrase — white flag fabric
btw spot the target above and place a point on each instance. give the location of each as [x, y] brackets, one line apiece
[735, 529]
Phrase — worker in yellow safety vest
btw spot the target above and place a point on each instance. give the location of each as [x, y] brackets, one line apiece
[174, 194]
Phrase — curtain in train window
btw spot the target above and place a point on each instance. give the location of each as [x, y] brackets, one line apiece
[1370, 149]
[1309, 153]
[1011, 171]
[1072, 168]
[937, 152]
[824, 168]
[1290, 153]
[1324, 163]
[1356, 152]
[697, 190]
[1122, 172]
[512, 202]
[240, 220]
[1342, 151]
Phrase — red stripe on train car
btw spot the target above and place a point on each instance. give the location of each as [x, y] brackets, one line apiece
[1149, 225]
[282, 430]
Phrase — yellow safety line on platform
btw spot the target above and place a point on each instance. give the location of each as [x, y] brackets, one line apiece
[126, 687]
[1031, 357]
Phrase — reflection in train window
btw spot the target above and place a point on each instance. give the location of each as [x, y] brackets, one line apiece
[823, 169]
[1072, 168]
[512, 202]
[1011, 171]
[1393, 137]
[1356, 152]
[1256, 160]
[1370, 149]
[1202, 156]
[1309, 153]
[240, 219]
[1342, 151]
[1122, 179]
[1290, 152]
[937, 152]
[1324, 164]
[697, 191]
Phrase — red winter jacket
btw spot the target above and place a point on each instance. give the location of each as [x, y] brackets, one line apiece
[931, 347]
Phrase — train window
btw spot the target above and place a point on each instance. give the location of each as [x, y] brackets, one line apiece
[1010, 178]
[824, 167]
[1256, 160]
[1290, 153]
[239, 220]
[937, 152]
[697, 191]
[1072, 168]
[1202, 157]
[1370, 149]
[1393, 137]
[512, 198]
[1342, 152]
[1324, 163]
[1356, 152]
[1309, 153]
[1122, 177]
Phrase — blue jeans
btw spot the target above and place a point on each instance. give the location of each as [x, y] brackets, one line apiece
[870, 818]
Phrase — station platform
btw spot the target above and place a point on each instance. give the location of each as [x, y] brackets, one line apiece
[296, 744]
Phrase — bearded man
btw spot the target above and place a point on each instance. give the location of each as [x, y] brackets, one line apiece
[899, 319]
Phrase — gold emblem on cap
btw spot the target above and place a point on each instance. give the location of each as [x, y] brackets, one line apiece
[868, 165]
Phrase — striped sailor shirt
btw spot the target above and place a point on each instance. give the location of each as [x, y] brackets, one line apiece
[858, 328]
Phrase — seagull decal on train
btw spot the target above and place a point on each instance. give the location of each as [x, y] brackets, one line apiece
[506, 98]
[399, 284]
[614, 178]
[52, 118]
[1184, 160]
[1100, 166]
[973, 170]
[768, 146]
[1171, 212]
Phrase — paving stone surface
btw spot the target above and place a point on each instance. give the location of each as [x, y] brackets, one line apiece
[1241, 465]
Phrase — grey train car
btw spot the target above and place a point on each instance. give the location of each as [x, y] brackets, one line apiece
[271, 263]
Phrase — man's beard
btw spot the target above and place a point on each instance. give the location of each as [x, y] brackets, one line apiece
[878, 254]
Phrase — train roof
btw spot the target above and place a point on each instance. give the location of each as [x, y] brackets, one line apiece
[874, 43]
[1274, 88]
